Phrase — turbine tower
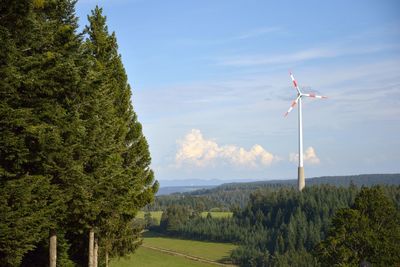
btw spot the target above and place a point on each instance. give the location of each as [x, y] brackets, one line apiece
[300, 172]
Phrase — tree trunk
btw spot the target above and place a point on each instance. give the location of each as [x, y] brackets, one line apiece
[95, 252]
[53, 249]
[106, 258]
[91, 246]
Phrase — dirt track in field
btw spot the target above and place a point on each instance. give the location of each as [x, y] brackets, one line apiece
[187, 256]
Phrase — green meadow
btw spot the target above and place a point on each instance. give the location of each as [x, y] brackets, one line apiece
[154, 214]
[207, 250]
[146, 256]
[215, 214]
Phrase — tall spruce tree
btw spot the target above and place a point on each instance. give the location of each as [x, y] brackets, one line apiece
[40, 127]
[123, 180]
[72, 153]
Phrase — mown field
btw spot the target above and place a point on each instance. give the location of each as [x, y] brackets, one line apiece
[215, 214]
[208, 250]
[147, 255]
[154, 214]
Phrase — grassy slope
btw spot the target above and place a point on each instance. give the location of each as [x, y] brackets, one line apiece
[217, 214]
[145, 257]
[214, 214]
[207, 250]
[154, 214]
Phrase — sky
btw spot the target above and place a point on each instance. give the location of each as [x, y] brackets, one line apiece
[210, 84]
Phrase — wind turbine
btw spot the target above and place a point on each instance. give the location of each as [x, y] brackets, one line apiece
[300, 173]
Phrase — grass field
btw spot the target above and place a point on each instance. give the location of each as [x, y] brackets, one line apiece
[145, 257]
[215, 214]
[208, 250]
[154, 214]
[148, 257]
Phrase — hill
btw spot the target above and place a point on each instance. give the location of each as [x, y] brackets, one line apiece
[181, 189]
[359, 180]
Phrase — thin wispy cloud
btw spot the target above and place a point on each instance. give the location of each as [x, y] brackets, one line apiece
[257, 33]
[302, 55]
[250, 34]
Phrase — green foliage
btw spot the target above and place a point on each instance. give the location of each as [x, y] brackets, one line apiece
[39, 256]
[233, 196]
[174, 218]
[24, 216]
[38, 122]
[118, 158]
[150, 221]
[72, 152]
[368, 231]
[278, 227]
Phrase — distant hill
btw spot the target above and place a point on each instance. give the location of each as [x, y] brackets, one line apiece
[167, 190]
[188, 185]
[359, 180]
[200, 187]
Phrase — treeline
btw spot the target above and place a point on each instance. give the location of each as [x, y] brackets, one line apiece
[74, 163]
[197, 203]
[282, 227]
[236, 195]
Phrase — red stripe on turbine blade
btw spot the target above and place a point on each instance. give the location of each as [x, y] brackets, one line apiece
[312, 95]
[295, 84]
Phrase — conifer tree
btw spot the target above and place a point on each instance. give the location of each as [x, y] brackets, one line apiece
[72, 153]
[368, 231]
[123, 180]
[40, 125]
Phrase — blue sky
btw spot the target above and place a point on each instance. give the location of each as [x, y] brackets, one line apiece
[211, 83]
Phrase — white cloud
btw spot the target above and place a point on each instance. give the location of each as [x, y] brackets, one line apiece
[309, 156]
[195, 150]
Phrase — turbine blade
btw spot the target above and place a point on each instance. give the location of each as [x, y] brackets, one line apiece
[292, 105]
[295, 83]
[315, 96]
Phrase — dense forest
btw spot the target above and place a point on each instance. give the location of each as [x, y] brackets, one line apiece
[236, 195]
[283, 227]
[74, 163]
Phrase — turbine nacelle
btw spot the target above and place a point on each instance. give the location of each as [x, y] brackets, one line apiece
[300, 95]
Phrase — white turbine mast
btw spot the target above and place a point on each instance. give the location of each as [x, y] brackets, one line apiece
[300, 95]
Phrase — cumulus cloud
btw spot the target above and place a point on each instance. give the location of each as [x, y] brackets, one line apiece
[309, 156]
[194, 149]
